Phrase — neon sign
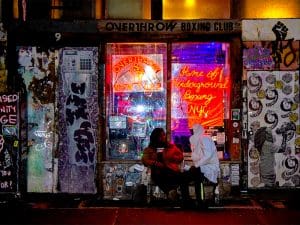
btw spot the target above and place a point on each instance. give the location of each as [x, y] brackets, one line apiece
[198, 92]
[137, 73]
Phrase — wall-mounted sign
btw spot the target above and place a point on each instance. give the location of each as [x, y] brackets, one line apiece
[170, 26]
[9, 123]
[137, 73]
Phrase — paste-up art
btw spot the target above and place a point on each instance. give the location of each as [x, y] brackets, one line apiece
[37, 68]
[271, 55]
[78, 119]
[274, 127]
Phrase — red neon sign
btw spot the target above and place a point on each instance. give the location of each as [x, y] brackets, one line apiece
[137, 73]
[199, 93]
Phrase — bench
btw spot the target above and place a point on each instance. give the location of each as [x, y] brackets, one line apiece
[208, 190]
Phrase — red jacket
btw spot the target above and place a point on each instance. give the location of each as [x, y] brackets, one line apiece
[173, 157]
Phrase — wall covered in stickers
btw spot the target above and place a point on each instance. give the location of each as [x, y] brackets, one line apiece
[37, 69]
[62, 114]
[271, 75]
[120, 180]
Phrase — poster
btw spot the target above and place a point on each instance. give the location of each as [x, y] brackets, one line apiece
[198, 95]
[274, 127]
[36, 66]
[9, 150]
[78, 119]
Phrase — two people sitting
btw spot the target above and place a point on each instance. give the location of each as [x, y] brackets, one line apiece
[166, 164]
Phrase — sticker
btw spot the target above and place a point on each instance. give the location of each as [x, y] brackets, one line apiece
[16, 144]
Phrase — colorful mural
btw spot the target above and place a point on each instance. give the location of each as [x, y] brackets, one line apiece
[78, 119]
[280, 55]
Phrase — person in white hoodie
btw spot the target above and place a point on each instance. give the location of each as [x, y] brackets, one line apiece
[204, 155]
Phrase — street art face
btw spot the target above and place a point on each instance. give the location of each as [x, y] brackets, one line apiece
[254, 82]
[271, 95]
[255, 107]
[271, 118]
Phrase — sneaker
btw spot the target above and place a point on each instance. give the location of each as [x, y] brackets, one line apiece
[173, 195]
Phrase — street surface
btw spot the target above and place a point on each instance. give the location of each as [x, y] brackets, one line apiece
[245, 212]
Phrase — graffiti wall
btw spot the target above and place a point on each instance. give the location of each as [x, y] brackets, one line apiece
[62, 154]
[78, 119]
[271, 99]
[120, 180]
[9, 146]
[37, 69]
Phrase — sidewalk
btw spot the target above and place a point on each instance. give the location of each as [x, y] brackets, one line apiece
[252, 199]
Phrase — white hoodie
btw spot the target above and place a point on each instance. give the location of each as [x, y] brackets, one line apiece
[204, 153]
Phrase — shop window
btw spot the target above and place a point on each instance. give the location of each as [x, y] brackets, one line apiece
[56, 9]
[72, 9]
[200, 90]
[196, 9]
[269, 9]
[129, 9]
[135, 96]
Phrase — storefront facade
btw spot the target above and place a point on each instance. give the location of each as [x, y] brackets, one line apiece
[90, 93]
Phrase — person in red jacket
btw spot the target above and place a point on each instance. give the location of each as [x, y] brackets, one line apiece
[165, 161]
[173, 158]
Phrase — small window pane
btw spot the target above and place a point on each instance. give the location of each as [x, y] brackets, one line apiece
[270, 9]
[196, 9]
[129, 9]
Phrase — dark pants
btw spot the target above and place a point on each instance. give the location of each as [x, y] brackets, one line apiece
[168, 179]
[196, 176]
